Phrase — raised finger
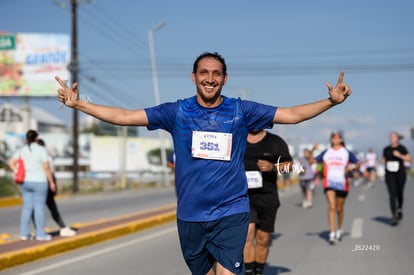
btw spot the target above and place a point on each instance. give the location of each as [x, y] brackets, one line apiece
[329, 85]
[60, 81]
[341, 78]
[75, 86]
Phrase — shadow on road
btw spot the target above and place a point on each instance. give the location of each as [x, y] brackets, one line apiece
[382, 219]
[275, 270]
[324, 235]
[274, 237]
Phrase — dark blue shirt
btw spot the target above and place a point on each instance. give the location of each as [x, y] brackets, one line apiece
[210, 189]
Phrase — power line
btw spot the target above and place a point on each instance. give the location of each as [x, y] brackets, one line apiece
[253, 69]
[103, 88]
[112, 36]
[100, 91]
[129, 32]
[128, 81]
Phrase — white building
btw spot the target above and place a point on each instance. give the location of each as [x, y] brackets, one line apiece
[15, 121]
[18, 120]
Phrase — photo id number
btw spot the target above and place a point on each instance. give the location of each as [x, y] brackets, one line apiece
[366, 247]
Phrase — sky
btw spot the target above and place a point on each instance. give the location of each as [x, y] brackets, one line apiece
[277, 52]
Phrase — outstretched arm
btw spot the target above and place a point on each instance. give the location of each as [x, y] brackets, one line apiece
[119, 116]
[299, 113]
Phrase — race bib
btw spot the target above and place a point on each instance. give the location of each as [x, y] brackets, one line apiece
[393, 166]
[254, 179]
[211, 145]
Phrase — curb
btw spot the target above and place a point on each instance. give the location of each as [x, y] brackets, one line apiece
[47, 249]
[10, 201]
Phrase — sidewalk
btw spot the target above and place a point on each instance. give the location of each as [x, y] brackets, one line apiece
[16, 252]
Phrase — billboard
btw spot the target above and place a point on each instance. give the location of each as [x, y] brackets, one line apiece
[30, 61]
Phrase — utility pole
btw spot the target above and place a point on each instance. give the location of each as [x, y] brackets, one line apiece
[157, 94]
[74, 68]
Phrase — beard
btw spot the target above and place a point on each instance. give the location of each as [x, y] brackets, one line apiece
[208, 98]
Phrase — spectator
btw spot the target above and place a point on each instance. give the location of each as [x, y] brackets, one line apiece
[64, 231]
[34, 188]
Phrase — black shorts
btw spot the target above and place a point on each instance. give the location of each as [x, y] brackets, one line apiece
[263, 210]
[338, 193]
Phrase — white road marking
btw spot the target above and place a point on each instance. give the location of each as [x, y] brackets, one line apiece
[100, 252]
[356, 230]
[361, 197]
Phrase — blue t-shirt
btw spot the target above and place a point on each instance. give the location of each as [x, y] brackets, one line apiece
[210, 189]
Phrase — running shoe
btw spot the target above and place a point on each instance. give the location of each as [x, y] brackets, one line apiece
[67, 232]
[399, 214]
[306, 204]
[44, 239]
[339, 234]
[394, 221]
[332, 239]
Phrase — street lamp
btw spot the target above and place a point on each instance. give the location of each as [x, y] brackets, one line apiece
[156, 90]
[153, 63]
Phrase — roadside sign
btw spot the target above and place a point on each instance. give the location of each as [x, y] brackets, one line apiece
[7, 42]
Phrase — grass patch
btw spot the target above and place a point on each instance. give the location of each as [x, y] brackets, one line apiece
[8, 188]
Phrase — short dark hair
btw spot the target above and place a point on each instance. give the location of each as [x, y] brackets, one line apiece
[214, 55]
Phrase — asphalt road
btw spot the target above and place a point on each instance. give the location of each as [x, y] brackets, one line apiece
[299, 245]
